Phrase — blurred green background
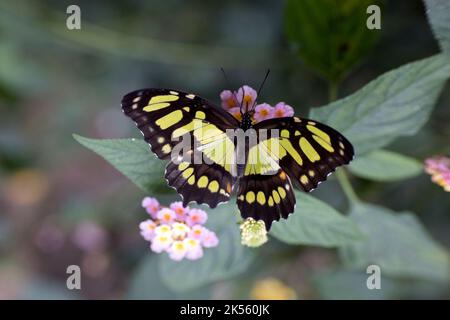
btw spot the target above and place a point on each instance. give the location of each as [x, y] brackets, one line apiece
[61, 204]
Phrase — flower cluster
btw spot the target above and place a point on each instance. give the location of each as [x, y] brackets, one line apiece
[246, 96]
[253, 233]
[439, 169]
[177, 230]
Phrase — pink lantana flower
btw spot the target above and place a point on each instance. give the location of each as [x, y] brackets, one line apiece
[263, 111]
[196, 216]
[210, 239]
[439, 169]
[194, 249]
[177, 250]
[161, 243]
[228, 99]
[164, 229]
[180, 211]
[151, 205]
[197, 232]
[282, 110]
[147, 228]
[246, 97]
[236, 112]
[166, 215]
[179, 231]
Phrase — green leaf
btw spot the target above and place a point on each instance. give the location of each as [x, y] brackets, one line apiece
[225, 261]
[438, 12]
[315, 223]
[46, 289]
[330, 36]
[352, 285]
[131, 157]
[398, 103]
[398, 243]
[383, 165]
[146, 283]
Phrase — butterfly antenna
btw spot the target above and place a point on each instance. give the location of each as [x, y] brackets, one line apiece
[261, 86]
[229, 86]
[242, 101]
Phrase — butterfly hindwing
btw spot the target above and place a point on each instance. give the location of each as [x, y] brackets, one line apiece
[201, 183]
[265, 197]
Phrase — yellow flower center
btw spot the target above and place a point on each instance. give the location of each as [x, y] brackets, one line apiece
[247, 99]
[231, 102]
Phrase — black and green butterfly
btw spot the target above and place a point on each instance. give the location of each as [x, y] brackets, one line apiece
[307, 152]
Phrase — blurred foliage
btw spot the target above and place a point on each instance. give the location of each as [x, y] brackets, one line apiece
[398, 103]
[330, 35]
[398, 243]
[54, 82]
[315, 223]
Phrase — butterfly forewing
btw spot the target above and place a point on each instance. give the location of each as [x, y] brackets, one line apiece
[308, 151]
[167, 116]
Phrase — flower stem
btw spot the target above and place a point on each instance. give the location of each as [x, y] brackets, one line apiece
[346, 186]
[341, 174]
[333, 88]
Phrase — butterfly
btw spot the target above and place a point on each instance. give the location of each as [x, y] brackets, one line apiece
[306, 152]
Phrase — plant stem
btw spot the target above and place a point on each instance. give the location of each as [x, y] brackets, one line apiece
[333, 88]
[341, 174]
[346, 186]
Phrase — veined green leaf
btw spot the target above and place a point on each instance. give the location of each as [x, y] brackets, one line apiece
[315, 223]
[352, 285]
[396, 242]
[398, 103]
[383, 165]
[131, 157]
[438, 12]
[226, 260]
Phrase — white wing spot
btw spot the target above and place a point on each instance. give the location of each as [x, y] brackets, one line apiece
[190, 96]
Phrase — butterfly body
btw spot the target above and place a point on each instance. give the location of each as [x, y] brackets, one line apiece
[288, 152]
[246, 122]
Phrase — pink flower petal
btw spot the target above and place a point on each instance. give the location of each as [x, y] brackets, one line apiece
[263, 111]
[196, 216]
[246, 96]
[282, 110]
[228, 99]
[151, 205]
